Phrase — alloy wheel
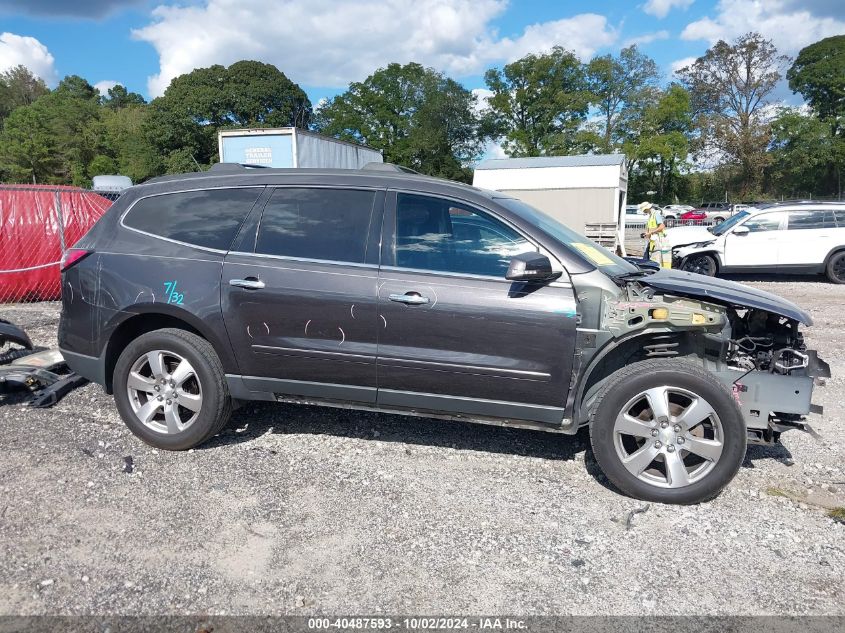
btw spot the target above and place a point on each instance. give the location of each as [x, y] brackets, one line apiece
[668, 437]
[838, 269]
[164, 391]
[703, 265]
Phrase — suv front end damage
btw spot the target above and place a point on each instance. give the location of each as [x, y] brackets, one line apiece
[747, 338]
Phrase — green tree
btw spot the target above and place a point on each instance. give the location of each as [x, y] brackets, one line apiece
[621, 88]
[806, 158]
[418, 118]
[819, 75]
[538, 103]
[729, 87]
[62, 126]
[185, 120]
[657, 145]
[119, 97]
[19, 87]
[127, 145]
[28, 149]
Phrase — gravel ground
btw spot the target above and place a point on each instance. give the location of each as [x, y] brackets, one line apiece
[298, 510]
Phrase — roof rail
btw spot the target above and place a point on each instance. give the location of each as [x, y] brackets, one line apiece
[388, 167]
[230, 167]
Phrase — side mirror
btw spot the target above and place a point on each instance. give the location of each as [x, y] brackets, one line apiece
[531, 267]
[741, 230]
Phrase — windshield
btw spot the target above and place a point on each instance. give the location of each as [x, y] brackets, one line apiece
[724, 227]
[596, 255]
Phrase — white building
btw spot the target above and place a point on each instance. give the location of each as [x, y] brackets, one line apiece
[587, 193]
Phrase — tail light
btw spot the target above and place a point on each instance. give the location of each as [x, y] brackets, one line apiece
[73, 256]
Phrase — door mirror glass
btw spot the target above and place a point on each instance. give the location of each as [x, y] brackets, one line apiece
[531, 267]
[741, 230]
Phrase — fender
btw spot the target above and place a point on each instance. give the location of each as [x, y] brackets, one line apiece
[833, 251]
[705, 251]
[170, 315]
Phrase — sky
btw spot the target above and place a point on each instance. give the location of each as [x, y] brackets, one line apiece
[325, 44]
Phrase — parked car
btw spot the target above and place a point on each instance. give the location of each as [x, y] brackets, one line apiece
[674, 211]
[401, 293]
[793, 238]
[716, 211]
[695, 214]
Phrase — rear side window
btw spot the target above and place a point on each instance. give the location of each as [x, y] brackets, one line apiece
[330, 224]
[209, 218]
[811, 219]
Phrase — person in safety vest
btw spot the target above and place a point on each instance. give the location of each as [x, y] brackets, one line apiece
[657, 248]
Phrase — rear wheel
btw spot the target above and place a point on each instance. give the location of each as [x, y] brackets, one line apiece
[170, 389]
[718, 219]
[836, 268]
[701, 264]
[667, 431]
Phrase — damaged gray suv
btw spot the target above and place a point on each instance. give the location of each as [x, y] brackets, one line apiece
[383, 290]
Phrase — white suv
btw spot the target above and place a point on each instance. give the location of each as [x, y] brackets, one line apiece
[785, 238]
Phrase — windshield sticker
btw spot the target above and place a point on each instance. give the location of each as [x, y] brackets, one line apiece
[593, 254]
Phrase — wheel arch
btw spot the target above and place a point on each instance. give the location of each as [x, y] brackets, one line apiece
[619, 353]
[142, 319]
[833, 251]
[713, 253]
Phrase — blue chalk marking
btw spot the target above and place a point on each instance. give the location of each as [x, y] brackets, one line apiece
[172, 295]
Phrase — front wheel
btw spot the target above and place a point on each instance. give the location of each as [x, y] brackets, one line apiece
[668, 431]
[836, 268]
[170, 389]
[701, 264]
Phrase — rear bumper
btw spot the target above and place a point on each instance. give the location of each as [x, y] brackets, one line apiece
[91, 367]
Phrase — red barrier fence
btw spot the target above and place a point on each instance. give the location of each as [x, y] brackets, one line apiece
[37, 224]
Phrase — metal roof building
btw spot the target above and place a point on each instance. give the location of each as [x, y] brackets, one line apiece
[587, 192]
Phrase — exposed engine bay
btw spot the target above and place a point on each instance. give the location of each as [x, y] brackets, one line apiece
[764, 341]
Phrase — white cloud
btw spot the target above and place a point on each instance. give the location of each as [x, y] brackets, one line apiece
[481, 96]
[327, 43]
[646, 38]
[682, 63]
[20, 49]
[790, 26]
[660, 8]
[105, 85]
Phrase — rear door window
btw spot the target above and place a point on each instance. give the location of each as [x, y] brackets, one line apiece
[209, 218]
[316, 223]
[811, 219]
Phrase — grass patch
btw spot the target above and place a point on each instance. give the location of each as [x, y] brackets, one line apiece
[777, 492]
[837, 514]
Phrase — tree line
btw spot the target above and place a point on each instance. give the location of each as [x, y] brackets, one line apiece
[714, 130]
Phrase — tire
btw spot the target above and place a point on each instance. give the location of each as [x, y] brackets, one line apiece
[835, 269]
[718, 219]
[688, 470]
[171, 424]
[701, 264]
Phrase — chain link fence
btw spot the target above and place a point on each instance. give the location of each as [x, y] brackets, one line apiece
[38, 223]
[635, 245]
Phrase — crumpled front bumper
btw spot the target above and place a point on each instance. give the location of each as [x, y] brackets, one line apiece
[772, 403]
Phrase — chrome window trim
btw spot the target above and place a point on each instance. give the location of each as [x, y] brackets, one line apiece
[557, 283]
[305, 260]
[167, 193]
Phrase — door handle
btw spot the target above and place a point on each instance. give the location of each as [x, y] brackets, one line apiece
[250, 283]
[409, 298]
